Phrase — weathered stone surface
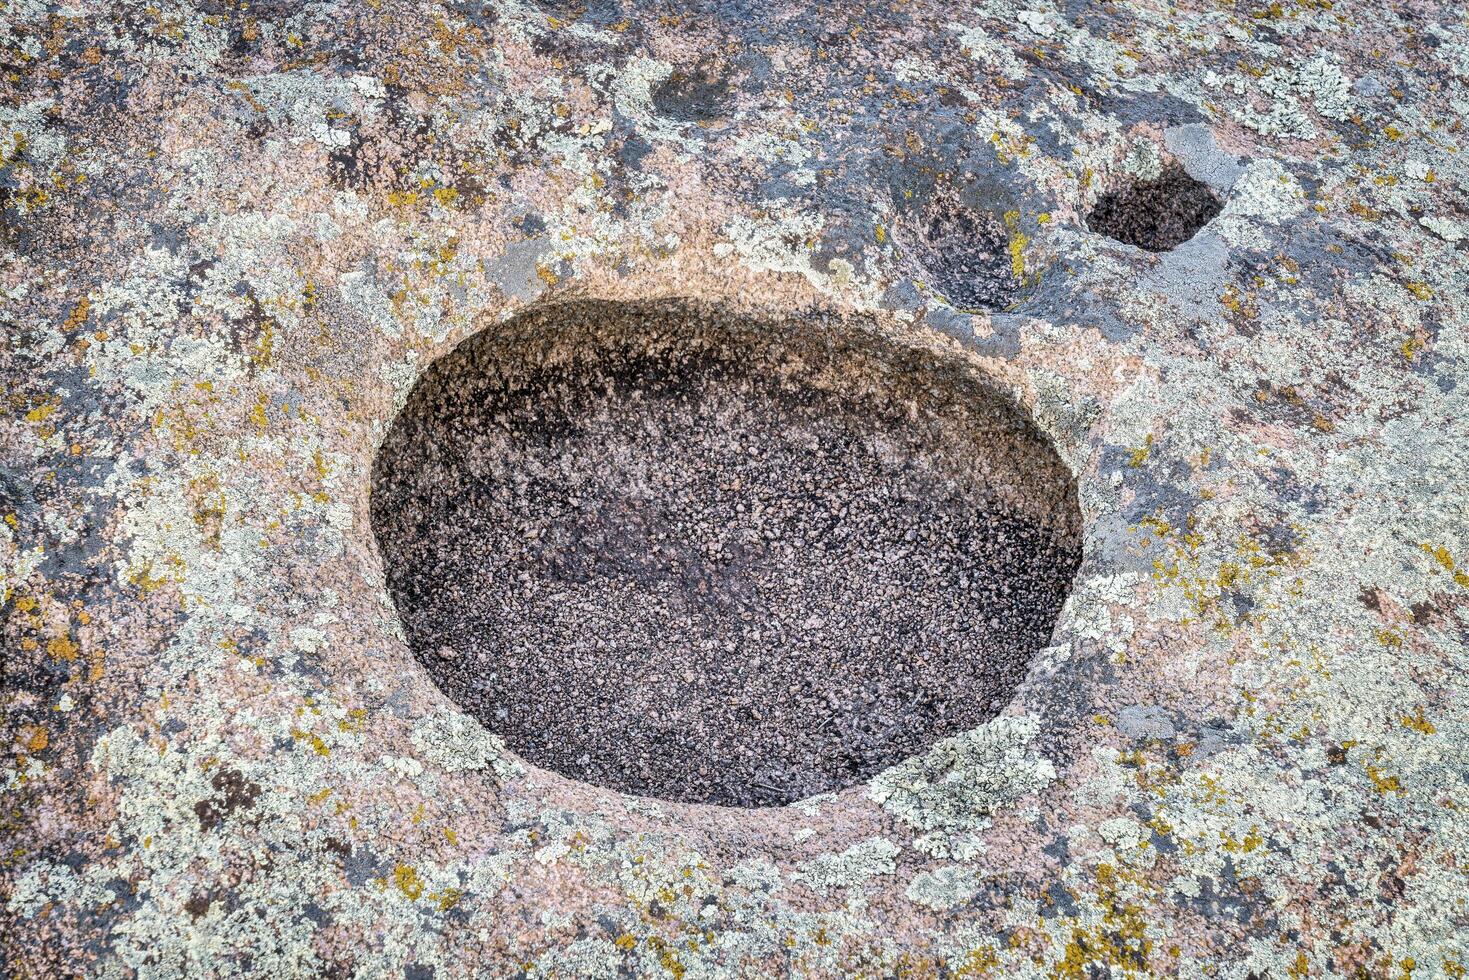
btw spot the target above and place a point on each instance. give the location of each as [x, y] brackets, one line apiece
[235, 235]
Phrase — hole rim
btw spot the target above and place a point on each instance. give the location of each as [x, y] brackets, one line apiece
[1000, 385]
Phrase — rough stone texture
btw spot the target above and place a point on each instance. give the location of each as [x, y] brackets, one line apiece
[713, 561]
[234, 236]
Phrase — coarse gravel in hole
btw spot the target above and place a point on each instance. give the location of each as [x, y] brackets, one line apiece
[1158, 214]
[711, 561]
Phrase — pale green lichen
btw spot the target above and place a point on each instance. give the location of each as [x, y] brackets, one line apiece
[1266, 194]
[861, 861]
[948, 793]
[455, 742]
[944, 887]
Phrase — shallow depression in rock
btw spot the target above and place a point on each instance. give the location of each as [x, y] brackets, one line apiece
[684, 555]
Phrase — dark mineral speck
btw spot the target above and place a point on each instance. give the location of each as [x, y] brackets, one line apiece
[719, 561]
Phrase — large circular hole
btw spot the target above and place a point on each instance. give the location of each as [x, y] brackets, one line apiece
[690, 556]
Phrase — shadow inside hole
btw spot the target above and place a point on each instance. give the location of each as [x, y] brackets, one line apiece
[1158, 214]
[686, 555]
[959, 228]
[695, 97]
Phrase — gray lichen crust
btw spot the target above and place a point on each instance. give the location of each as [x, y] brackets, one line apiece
[232, 238]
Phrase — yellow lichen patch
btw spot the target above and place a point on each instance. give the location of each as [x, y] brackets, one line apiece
[403, 199]
[43, 411]
[1151, 777]
[407, 881]
[62, 648]
[1418, 722]
[625, 941]
[1442, 556]
[1384, 784]
[1240, 302]
[244, 90]
[980, 962]
[1156, 525]
[1018, 241]
[317, 743]
[1229, 575]
[1140, 454]
[447, 898]
[19, 144]
[182, 428]
[35, 738]
[1364, 212]
[257, 414]
[1252, 841]
[262, 352]
[1419, 289]
[1120, 941]
[1390, 638]
[666, 958]
[78, 314]
[1183, 564]
[146, 581]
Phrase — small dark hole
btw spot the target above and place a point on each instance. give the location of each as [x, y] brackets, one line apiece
[697, 96]
[964, 250]
[1156, 214]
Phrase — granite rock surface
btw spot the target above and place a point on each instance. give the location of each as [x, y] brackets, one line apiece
[234, 235]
